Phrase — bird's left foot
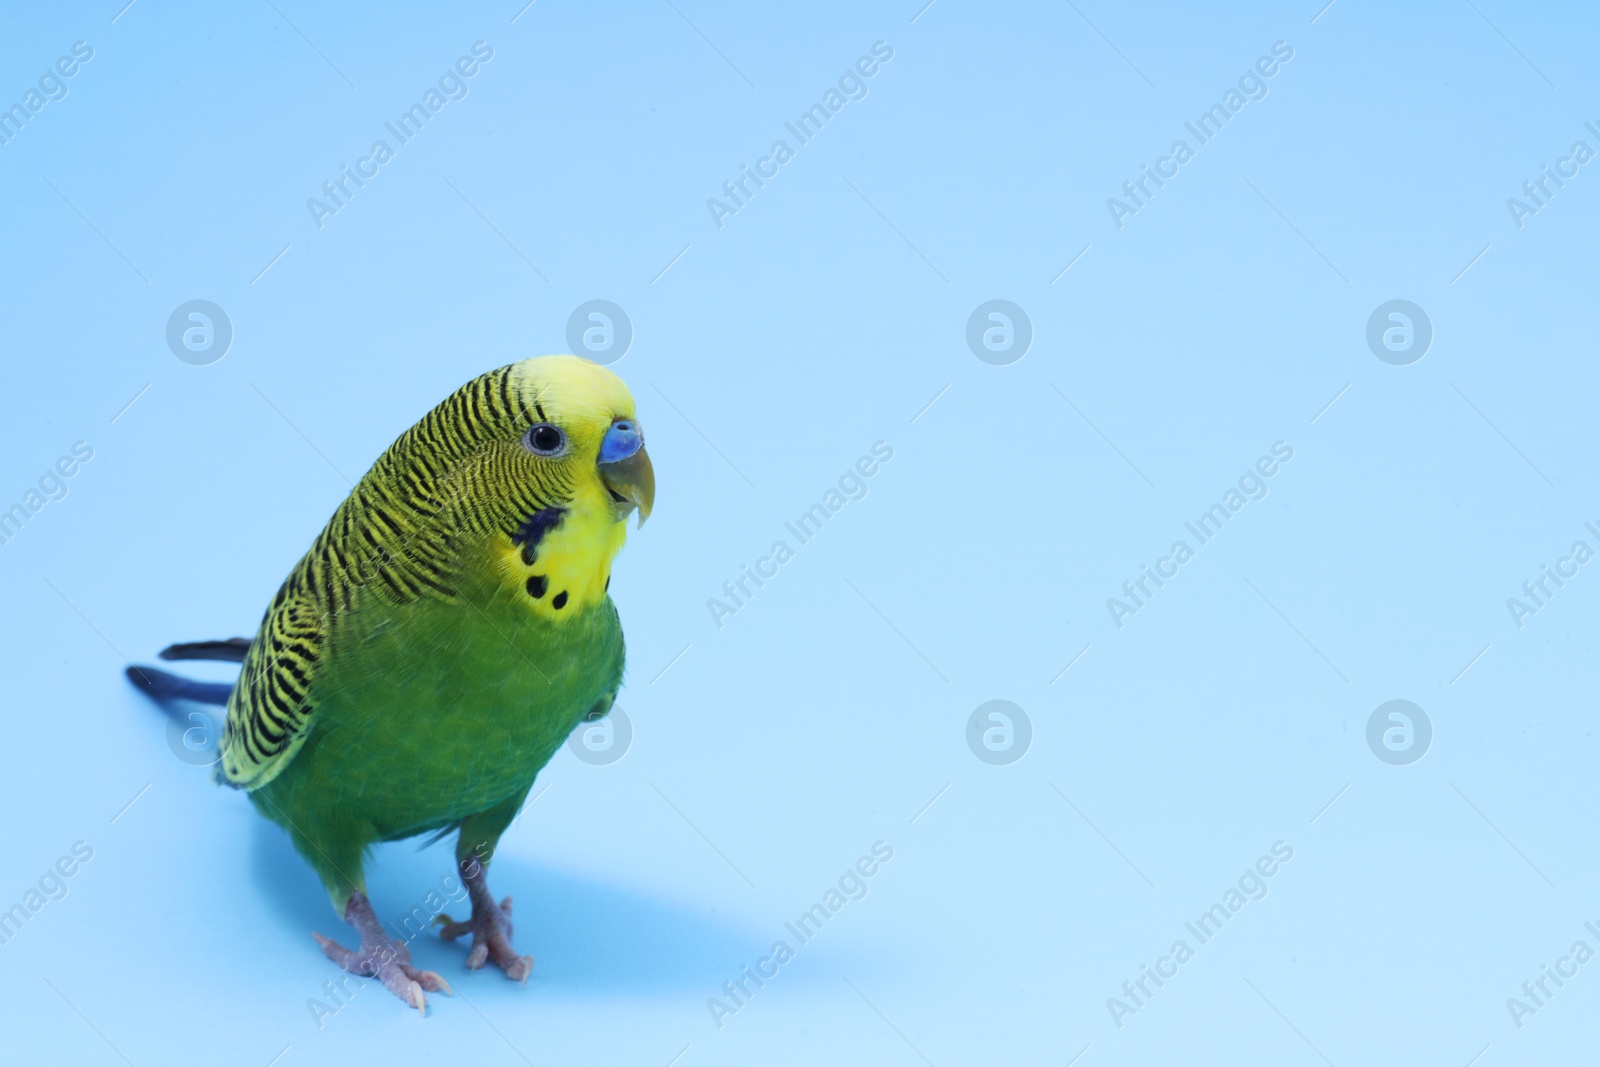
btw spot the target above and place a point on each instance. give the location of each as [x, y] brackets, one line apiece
[490, 927]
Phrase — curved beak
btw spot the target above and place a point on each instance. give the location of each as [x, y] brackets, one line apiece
[625, 468]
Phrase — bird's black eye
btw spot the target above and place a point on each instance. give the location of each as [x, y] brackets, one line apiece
[545, 440]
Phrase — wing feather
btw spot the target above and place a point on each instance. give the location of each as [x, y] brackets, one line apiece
[392, 542]
[270, 712]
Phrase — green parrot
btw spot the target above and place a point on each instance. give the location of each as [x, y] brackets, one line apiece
[447, 631]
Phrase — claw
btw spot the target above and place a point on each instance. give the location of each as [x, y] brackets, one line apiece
[491, 930]
[432, 981]
[380, 957]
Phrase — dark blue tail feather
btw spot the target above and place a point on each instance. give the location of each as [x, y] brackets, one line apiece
[162, 686]
[231, 650]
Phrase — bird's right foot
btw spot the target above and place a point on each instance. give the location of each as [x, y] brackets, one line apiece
[381, 957]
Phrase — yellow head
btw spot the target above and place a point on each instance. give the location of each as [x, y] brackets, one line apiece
[539, 464]
[584, 447]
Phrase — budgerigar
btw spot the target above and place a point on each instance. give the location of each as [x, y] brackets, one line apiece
[446, 632]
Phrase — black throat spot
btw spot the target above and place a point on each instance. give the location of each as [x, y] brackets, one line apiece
[533, 529]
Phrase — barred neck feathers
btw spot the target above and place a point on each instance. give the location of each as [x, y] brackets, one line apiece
[459, 499]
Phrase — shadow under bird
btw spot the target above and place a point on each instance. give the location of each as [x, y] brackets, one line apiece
[445, 633]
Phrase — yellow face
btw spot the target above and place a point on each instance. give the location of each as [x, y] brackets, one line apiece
[580, 397]
[584, 449]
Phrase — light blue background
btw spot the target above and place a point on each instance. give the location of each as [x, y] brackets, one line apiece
[827, 714]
